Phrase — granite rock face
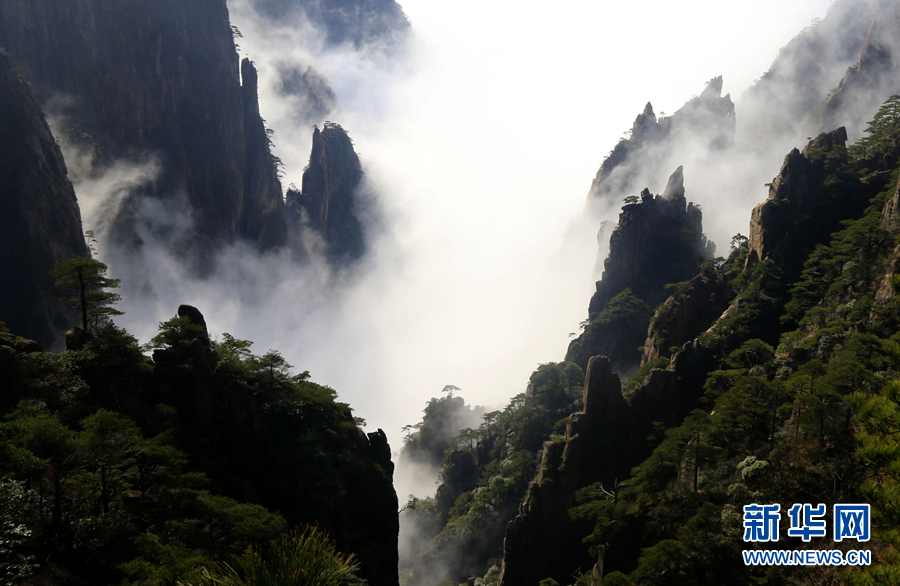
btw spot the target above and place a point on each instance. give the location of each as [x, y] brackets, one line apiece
[329, 200]
[602, 443]
[541, 538]
[659, 240]
[680, 318]
[40, 223]
[801, 209]
[158, 79]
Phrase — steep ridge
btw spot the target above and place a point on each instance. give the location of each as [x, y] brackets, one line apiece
[162, 80]
[658, 240]
[785, 105]
[821, 182]
[710, 376]
[601, 445]
[801, 209]
[328, 201]
[692, 308]
[40, 224]
[866, 84]
[566, 465]
[705, 123]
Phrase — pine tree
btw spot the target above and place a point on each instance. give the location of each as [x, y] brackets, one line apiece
[81, 281]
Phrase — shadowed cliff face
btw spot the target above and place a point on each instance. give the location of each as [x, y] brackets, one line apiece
[803, 208]
[602, 443]
[260, 453]
[659, 240]
[158, 79]
[328, 201]
[680, 318]
[40, 224]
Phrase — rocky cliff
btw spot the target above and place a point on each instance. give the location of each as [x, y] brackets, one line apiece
[41, 223]
[328, 201]
[689, 311]
[262, 452]
[867, 83]
[658, 241]
[588, 452]
[158, 79]
[602, 444]
[814, 191]
[705, 123]
[607, 441]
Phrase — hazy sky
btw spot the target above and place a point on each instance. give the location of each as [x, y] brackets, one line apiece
[482, 146]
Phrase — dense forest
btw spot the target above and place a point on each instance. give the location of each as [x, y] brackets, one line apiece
[119, 468]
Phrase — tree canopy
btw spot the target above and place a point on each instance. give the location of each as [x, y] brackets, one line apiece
[82, 282]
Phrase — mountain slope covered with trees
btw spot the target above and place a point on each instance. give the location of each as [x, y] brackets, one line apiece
[118, 468]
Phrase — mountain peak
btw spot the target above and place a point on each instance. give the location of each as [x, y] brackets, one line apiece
[675, 186]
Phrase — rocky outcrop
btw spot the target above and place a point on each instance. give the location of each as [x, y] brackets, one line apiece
[373, 530]
[243, 441]
[659, 240]
[158, 79]
[540, 540]
[706, 122]
[602, 444]
[684, 315]
[870, 81]
[264, 216]
[40, 224]
[890, 221]
[803, 206]
[329, 198]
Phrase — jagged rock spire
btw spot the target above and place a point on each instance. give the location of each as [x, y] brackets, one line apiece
[675, 186]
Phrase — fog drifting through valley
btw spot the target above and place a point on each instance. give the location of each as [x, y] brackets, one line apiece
[481, 139]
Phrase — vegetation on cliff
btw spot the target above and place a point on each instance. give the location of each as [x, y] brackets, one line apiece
[784, 391]
[117, 468]
[778, 420]
[486, 472]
